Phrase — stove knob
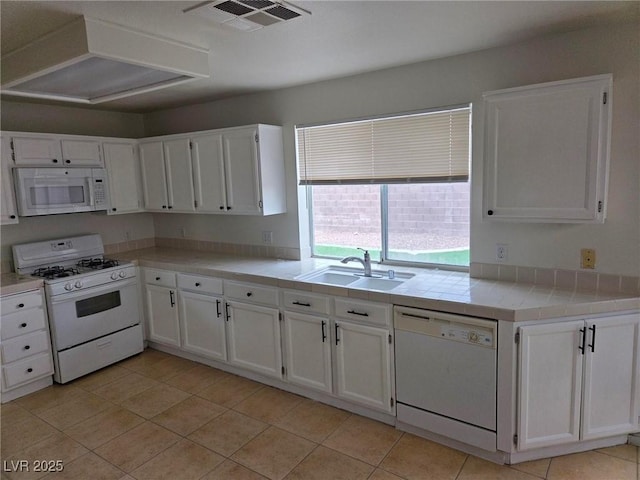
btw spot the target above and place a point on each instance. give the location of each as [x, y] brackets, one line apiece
[114, 276]
[78, 284]
[122, 273]
[68, 286]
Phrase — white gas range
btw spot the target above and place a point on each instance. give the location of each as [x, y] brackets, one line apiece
[92, 302]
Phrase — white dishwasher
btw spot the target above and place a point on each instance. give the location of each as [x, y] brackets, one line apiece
[446, 368]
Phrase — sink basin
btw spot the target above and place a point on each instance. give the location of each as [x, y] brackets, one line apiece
[353, 278]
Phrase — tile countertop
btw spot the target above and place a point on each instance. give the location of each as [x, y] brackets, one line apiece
[14, 283]
[441, 290]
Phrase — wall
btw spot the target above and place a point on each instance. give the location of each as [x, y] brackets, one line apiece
[451, 81]
[32, 117]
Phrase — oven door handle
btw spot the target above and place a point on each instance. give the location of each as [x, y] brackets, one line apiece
[92, 291]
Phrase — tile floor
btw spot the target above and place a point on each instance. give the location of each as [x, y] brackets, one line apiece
[156, 416]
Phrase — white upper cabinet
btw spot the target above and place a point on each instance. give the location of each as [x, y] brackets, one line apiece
[239, 171]
[167, 178]
[546, 151]
[55, 151]
[123, 168]
[8, 211]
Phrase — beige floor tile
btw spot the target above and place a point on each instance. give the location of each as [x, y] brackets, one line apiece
[147, 357]
[100, 378]
[538, 468]
[416, 458]
[18, 435]
[591, 466]
[49, 397]
[12, 413]
[56, 447]
[105, 426]
[274, 453]
[137, 446]
[625, 452]
[230, 391]
[184, 460]
[83, 406]
[228, 432]
[154, 401]
[88, 466]
[326, 464]
[380, 474]
[312, 420]
[189, 415]
[478, 469]
[197, 378]
[165, 368]
[364, 439]
[268, 404]
[124, 387]
[229, 470]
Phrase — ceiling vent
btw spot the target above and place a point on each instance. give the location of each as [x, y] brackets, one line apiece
[247, 15]
[91, 61]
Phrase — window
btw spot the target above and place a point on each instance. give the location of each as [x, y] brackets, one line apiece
[397, 186]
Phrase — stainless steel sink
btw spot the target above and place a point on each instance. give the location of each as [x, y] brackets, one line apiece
[354, 278]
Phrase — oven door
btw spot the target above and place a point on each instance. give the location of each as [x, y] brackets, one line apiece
[78, 317]
[43, 191]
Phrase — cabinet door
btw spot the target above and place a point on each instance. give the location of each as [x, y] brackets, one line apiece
[177, 157]
[208, 174]
[363, 365]
[37, 151]
[123, 169]
[162, 314]
[254, 338]
[241, 170]
[546, 151]
[308, 351]
[611, 377]
[8, 211]
[550, 384]
[81, 153]
[154, 179]
[203, 325]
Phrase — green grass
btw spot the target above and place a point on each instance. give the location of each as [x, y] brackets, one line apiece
[445, 257]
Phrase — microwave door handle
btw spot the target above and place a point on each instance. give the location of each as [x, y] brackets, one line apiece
[92, 200]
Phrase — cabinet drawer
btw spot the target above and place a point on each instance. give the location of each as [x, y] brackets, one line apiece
[199, 283]
[26, 370]
[367, 312]
[21, 301]
[25, 346]
[251, 293]
[23, 322]
[306, 302]
[163, 278]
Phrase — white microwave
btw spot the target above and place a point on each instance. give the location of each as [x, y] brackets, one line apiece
[45, 191]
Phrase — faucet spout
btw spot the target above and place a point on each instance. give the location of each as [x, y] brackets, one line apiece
[366, 262]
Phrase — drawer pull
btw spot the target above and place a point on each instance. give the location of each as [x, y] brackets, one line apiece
[302, 304]
[218, 313]
[27, 347]
[353, 312]
[23, 325]
[197, 284]
[324, 332]
[21, 305]
[157, 279]
[249, 294]
[29, 370]
[104, 344]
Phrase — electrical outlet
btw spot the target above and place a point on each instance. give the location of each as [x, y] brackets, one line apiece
[501, 252]
[267, 237]
[587, 258]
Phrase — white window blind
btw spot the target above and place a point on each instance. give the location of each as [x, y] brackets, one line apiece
[424, 147]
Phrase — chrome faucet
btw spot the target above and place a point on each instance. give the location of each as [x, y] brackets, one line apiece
[366, 263]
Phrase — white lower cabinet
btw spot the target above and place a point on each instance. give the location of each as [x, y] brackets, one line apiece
[578, 380]
[202, 322]
[162, 307]
[363, 364]
[26, 359]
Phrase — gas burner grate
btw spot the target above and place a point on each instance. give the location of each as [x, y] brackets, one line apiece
[50, 273]
[98, 263]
